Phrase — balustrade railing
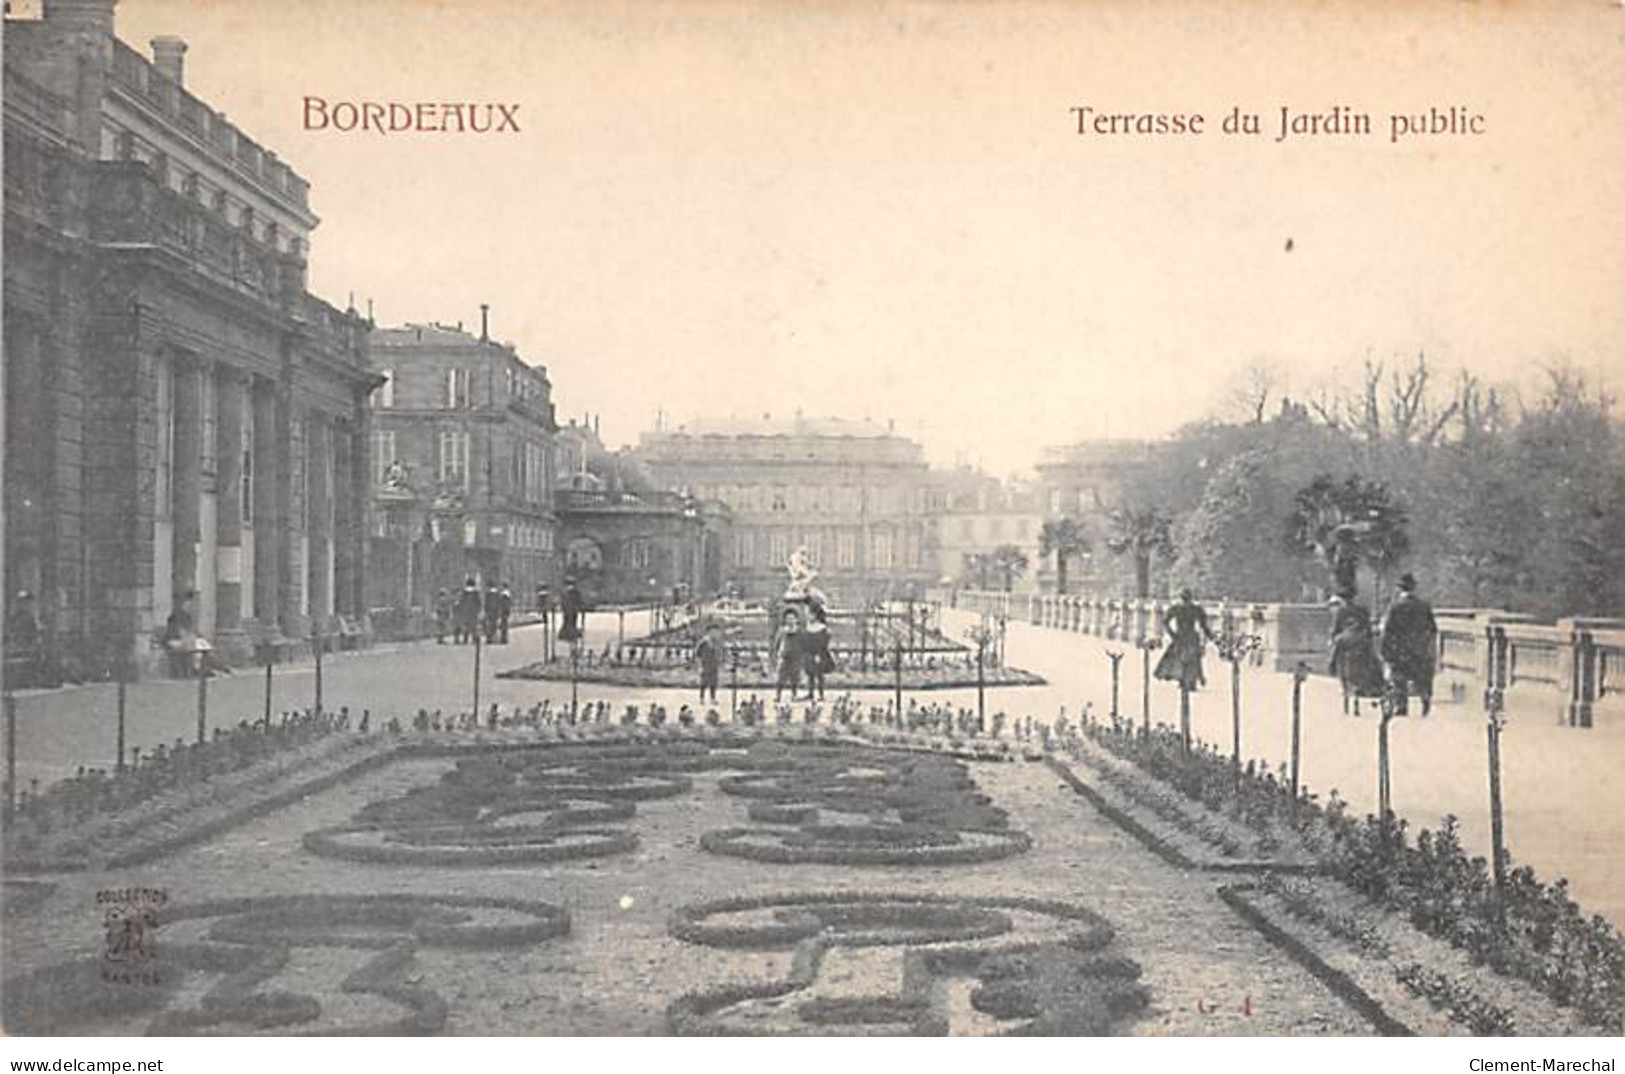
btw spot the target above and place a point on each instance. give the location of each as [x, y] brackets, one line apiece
[1573, 669]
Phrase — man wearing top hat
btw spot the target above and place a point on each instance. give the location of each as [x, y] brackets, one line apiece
[1409, 644]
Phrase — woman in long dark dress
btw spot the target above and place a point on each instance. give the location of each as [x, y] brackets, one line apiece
[1187, 628]
[815, 650]
[1354, 652]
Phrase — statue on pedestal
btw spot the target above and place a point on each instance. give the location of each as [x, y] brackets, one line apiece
[802, 572]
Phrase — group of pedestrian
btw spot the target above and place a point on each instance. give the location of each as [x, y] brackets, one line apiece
[1408, 645]
[801, 648]
[1395, 664]
[475, 614]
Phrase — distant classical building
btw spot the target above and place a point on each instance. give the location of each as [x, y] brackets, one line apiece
[981, 514]
[856, 495]
[626, 541]
[463, 473]
[1086, 479]
[181, 414]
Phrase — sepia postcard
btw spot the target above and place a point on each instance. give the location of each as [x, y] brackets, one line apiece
[754, 517]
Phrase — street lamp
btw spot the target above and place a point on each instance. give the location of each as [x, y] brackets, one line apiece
[1147, 645]
[1236, 646]
[1495, 723]
[981, 634]
[1116, 657]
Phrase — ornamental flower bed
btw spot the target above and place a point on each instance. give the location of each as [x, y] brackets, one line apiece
[916, 810]
[1531, 931]
[1033, 966]
[753, 677]
[512, 807]
[245, 946]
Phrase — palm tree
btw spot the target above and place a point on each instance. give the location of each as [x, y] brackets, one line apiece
[1362, 516]
[1062, 538]
[977, 565]
[1142, 533]
[1010, 562]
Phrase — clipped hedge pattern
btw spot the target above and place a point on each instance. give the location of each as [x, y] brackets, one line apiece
[1054, 986]
[941, 818]
[248, 945]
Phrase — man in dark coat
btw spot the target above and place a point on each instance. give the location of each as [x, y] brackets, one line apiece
[1187, 627]
[491, 611]
[442, 615]
[710, 651]
[571, 609]
[504, 613]
[468, 612]
[1409, 644]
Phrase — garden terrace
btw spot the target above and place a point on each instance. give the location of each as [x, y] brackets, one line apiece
[864, 900]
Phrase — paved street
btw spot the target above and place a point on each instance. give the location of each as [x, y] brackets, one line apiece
[1564, 799]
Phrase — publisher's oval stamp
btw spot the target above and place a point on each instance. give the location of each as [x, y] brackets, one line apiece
[129, 923]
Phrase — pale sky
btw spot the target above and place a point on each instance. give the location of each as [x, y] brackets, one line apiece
[885, 209]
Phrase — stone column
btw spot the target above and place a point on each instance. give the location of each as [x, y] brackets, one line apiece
[188, 478]
[270, 490]
[232, 401]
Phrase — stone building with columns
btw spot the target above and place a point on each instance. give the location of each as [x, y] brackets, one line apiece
[181, 413]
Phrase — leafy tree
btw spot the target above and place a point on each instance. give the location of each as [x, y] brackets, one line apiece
[1571, 461]
[1142, 533]
[1063, 538]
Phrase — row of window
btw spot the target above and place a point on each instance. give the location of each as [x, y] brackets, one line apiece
[831, 499]
[531, 536]
[826, 548]
[528, 470]
[458, 388]
[995, 528]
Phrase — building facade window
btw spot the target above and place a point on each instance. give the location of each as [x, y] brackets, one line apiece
[386, 390]
[383, 452]
[458, 389]
[744, 548]
[778, 548]
[454, 459]
[846, 551]
[881, 551]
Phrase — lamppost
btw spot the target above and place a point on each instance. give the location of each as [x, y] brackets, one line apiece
[981, 634]
[316, 650]
[479, 630]
[897, 675]
[1385, 786]
[1299, 673]
[1116, 657]
[1147, 645]
[1495, 723]
[10, 702]
[202, 668]
[1235, 646]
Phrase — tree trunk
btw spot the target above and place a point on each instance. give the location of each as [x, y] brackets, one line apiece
[1142, 575]
[1060, 573]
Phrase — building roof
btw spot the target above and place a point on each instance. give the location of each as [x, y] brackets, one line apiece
[771, 425]
[429, 335]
